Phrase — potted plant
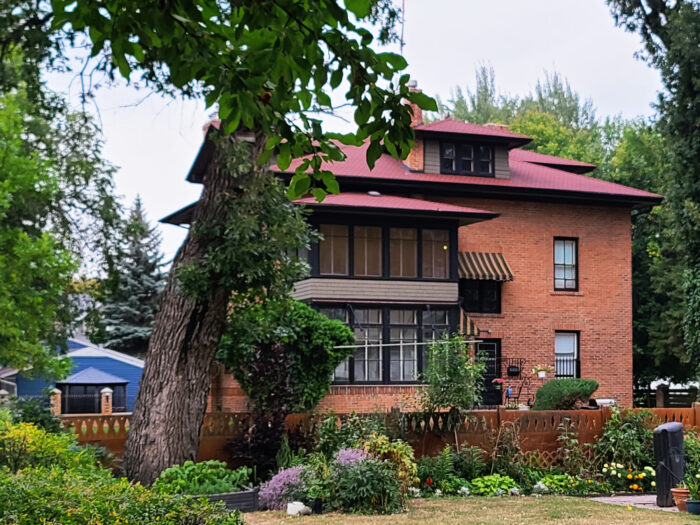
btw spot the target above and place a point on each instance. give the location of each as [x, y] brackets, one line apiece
[498, 383]
[680, 493]
[541, 370]
[692, 504]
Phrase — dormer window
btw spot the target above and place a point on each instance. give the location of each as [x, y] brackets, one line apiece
[466, 159]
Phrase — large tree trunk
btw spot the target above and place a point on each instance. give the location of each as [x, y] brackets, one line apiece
[172, 398]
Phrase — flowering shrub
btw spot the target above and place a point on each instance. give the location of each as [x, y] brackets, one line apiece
[629, 479]
[347, 457]
[285, 486]
[568, 484]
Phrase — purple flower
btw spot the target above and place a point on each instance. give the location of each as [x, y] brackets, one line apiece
[348, 457]
[285, 486]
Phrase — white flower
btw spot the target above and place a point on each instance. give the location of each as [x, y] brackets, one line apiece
[499, 492]
[515, 491]
[540, 488]
[438, 492]
[414, 492]
[613, 472]
[463, 491]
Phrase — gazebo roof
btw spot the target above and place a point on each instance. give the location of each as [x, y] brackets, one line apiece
[92, 376]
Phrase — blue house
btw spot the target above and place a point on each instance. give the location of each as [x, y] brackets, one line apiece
[94, 368]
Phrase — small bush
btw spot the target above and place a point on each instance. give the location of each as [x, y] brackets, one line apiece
[334, 435]
[24, 445]
[470, 462]
[37, 411]
[629, 479]
[205, 477]
[397, 453]
[493, 485]
[564, 394]
[369, 487]
[58, 495]
[627, 438]
[285, 486]
[691, 444]
[436, 471]
[569, 485]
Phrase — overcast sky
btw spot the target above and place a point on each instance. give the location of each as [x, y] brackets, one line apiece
[155, 141]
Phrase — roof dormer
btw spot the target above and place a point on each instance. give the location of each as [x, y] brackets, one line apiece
[454, 147]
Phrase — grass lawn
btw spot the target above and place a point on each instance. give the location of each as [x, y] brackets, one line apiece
[525, 510]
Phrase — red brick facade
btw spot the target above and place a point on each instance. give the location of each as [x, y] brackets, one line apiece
[601, 309]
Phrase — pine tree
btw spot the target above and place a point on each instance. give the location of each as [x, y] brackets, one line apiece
[131, 291]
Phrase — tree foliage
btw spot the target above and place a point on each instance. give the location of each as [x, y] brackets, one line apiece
[128, 296]
[670, 32]
[267, 65]
[283, 354]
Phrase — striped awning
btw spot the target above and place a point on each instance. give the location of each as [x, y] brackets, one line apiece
[468, 326]
[484, 266]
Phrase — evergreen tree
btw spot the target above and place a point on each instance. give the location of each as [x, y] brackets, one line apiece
[131, 291]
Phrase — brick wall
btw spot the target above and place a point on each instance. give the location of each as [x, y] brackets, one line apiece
[601, 310]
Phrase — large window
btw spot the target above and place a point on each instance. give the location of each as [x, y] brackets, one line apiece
[480, 296]
[467, 159]
[388, 342]
[368, 251]
[403, 252]
[333, 250]
[565, 264]
[436, 254]
[566, 359]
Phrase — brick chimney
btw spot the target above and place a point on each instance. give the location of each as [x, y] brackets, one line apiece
[417, 118]
[414, 161]
[499, 127]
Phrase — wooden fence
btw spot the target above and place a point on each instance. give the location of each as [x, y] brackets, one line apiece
[538, 430]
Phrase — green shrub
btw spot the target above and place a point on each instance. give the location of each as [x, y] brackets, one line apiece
[493, 485]
[369, 487]
[398, 455]
[470, 462]
[569, 485]
[333, 436]
[61, 496]
[434, 471]
[627, 438]
[24, 445]
[692, 450]
[205, 477]
[564, 394]
[37, 411]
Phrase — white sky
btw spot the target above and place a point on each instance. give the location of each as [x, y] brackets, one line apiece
[154, 143]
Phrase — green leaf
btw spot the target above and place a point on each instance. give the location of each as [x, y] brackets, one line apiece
[397, 62]
[231, 123]
[284, 157]
[360, 8]
[319, 193]
[423, 101]
[374, 151]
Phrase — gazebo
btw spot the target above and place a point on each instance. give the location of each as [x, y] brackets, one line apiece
[80, 393]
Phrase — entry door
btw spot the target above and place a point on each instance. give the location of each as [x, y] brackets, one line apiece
[491, 350]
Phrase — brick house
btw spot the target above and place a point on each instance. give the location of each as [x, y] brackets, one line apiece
[522, 252]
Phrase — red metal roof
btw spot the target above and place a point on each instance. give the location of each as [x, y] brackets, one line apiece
[551, 160]
[449, 125]
[523, 175]
[391, 202]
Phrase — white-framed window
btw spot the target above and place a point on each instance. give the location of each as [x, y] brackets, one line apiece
[566, 358]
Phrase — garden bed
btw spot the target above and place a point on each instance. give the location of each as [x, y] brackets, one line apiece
[245, 500]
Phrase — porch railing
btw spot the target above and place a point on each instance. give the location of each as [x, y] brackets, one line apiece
[567, 367]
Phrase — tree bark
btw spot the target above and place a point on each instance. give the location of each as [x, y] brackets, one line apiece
[171, 403]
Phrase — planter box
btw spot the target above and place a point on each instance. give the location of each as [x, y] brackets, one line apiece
[245, 501]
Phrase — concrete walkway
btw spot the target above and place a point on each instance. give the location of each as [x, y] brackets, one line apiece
[643, 501]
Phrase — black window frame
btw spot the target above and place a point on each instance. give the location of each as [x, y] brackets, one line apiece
[475, 158]
[451, 227]
[452, 315]
[576, 265]
[577, 358]
[481, 284]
